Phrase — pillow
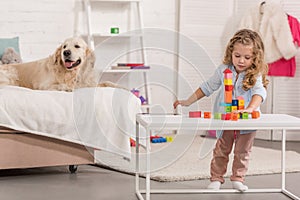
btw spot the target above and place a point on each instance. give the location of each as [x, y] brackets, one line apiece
[9, 42]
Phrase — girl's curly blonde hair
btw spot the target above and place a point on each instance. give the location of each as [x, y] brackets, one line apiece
[259, 67]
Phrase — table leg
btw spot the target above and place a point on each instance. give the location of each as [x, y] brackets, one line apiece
[147, 164]
[137, 161]
[283, 143]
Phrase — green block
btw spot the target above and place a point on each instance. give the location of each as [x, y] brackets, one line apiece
[217, 115]
[114, 30]
[245, 115]
[228, 109]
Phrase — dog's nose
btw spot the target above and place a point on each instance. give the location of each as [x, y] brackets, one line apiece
[67, 52]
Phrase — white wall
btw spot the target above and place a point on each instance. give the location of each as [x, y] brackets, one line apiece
[208, 24]
[41, 25]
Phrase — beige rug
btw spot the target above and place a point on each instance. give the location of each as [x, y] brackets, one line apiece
[188, 159]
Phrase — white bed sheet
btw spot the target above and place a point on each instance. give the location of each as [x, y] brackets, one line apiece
[102, 118]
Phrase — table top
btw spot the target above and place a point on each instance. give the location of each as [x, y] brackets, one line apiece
[177, 122]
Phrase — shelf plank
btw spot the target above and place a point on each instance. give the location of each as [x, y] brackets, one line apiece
[115, 0]
[103, 35]
[125, 70]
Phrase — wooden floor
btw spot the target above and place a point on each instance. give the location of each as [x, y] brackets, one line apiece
[94, 183]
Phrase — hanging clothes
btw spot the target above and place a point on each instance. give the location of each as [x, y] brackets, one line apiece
[272, 24]
[285, 67]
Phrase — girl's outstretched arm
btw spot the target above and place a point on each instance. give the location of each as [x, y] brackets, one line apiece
[198, 94]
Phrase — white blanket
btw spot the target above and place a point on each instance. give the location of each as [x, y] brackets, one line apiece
[102, 118]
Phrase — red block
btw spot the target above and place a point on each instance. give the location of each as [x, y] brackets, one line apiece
[194, 114]
[226, 116]
[132, 142]
[228, 87]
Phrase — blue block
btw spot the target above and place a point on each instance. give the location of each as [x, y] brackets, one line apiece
[235, 102]
[225, 104]
[159, 140]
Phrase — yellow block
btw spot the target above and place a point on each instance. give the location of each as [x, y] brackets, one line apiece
[227, 81]
[241, 102]
[233, 108]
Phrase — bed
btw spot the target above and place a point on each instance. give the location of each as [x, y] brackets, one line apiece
[53, 128]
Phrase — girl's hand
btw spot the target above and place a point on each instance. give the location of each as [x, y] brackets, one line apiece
[248, 110]
[180, 102]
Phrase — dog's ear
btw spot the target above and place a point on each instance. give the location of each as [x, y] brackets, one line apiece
[57, 56]
[90, 57]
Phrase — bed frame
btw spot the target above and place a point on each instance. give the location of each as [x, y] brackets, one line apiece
[25, 150]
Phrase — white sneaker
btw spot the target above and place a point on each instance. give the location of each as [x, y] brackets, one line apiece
[239, 186]
[214, 185]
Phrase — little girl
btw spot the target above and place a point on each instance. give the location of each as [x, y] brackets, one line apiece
[244, 56]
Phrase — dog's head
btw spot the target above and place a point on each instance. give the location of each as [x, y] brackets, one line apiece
[74, 53]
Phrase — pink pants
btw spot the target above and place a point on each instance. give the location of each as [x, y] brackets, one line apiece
[242, 149]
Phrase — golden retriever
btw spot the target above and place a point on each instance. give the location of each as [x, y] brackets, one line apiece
[70, 67]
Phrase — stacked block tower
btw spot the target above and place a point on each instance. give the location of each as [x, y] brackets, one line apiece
[231, 104]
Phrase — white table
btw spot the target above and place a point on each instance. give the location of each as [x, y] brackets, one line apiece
[153, 122]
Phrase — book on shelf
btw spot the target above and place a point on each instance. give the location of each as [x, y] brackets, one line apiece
[140, 67]
[120, 67]
[130, 67]
[131, 64]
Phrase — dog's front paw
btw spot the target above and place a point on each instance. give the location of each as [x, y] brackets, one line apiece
[62, 87]
[111, 84]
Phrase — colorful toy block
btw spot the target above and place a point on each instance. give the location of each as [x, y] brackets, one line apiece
[194, 114]
[234, 108]
[114, 30]
[227, 81]
[235, 102]
[132, 142]
[255, 114]
[244, 115]
[223, 116]
[234, 116]
[225, 104]
[227, 109]
[169, 139]
[154, 137]
[226, 116]
[228, 87]
[159, 140]
[241, 101]
[241, 107]
[227, 73]
[207, 114]
[228, 96]
[217, 115]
